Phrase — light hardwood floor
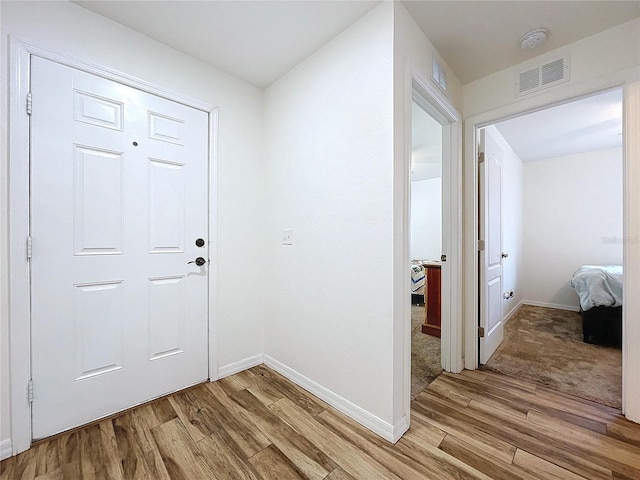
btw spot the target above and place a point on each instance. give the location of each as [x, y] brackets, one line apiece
[258, 425]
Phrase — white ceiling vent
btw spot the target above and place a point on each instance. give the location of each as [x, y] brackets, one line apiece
[542, 76]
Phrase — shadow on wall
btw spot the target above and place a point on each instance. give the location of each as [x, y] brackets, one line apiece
[566, 295]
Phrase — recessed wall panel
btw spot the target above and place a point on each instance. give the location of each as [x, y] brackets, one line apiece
[166, 316]
[96, 110]
[98, 202]
[166, 206]
[494, 212]
[99, 325]
[166, 129]
[495, 303]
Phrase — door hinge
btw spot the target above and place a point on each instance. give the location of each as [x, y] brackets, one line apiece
[443, 258]
[480, 157]
[481, 332]
[29, 103]
[30, 391]
[481, 245]
[29, 247]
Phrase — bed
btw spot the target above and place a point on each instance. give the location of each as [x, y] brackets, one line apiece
[418, 280]
[599, 288]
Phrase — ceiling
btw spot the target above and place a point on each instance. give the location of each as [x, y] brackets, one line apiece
[477, 38]
[259, 41]
[584, 125]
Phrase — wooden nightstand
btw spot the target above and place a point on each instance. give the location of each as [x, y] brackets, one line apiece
[432, 319]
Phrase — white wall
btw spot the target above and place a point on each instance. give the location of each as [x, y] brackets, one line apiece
[329, 130]
[412, 57]
[337, 142]
[426, 219]
[573, 217]
[512, 222]
[69, 29]
[606, 54]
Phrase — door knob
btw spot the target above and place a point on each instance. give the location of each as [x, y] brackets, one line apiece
[198, 261]
[504, 255]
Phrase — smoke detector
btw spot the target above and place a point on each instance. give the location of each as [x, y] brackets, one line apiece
[533, 39]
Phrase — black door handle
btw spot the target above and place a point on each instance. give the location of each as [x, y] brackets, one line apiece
[198, 261]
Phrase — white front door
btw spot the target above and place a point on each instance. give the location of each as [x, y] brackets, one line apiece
[119, 196]
[490, 190]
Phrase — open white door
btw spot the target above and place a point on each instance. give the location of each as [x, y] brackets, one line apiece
[119, 212]
[490, 251]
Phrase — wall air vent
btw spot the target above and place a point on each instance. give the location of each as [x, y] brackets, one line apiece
[438, 73]
[542, 76]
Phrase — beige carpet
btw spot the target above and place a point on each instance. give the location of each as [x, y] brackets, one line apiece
[545, 345]
[425, 354]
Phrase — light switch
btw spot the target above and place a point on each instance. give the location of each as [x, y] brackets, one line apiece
[287, 236]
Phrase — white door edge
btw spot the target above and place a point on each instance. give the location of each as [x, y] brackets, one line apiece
[491, 265]
[20, 52]
[622, 79]
[213, 245]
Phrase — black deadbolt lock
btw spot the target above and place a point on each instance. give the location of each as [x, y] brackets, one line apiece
[200, 242]
[198, 261]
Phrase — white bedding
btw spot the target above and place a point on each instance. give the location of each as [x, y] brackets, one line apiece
[598, 285]
[418, 279]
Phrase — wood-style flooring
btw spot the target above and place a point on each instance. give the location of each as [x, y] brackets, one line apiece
[258, 425]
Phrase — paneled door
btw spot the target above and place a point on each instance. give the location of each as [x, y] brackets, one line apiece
[119, 213]
[490, 189]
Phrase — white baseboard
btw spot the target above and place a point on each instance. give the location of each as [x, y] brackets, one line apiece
[240, 365]
[512, 312]
[389, 432]
[6, 449]
[400, 428]
[551, 305]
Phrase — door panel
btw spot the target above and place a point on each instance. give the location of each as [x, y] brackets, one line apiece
[166, 206]
[99, 327]
[97, 201]
[119, 194]
[490, 191]
[94, 110]
[166, 316]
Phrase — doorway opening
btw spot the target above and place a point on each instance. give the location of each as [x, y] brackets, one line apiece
[425, 248]
[554, 314]
[428, 99]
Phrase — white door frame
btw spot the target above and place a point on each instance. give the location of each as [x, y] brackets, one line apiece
[444, 113]
[629, 81]
[20, 53]
[420, 88]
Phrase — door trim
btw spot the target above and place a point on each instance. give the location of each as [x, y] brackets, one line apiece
[629, 81]
[419, 87]
[427, 96]
[20, 52]
[443, 112]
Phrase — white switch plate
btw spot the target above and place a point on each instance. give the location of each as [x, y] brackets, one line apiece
[287, 236]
